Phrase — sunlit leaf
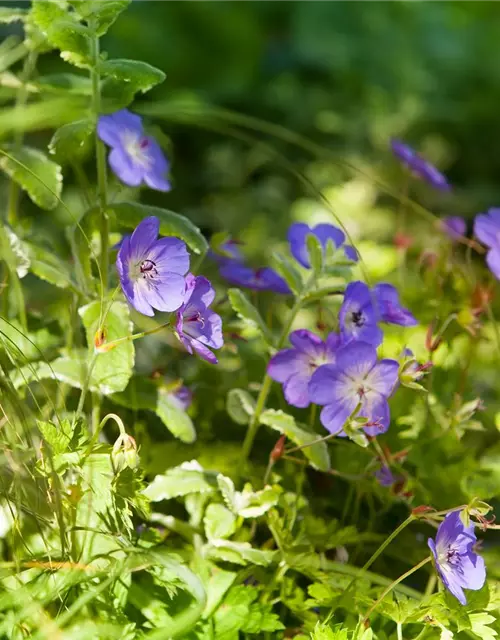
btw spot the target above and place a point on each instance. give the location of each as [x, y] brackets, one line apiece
[247, 312]
[40, 177]
[72, 141]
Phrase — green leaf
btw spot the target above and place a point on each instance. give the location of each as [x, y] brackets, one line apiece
[129, 214]
[58, 437]
[65, 83]
[71, 141]
[317, 453]
[188, 478]
[63, 32]
[247, 312]
[480, 625]
[218, 521]
[12, 14]
[40, 177]
[138, 75]
[324, 292]
[239, 553]
[174, 418]
[288, 272]
[102, 13]
[240, 406]
[23, 348]
[47, 266]
[248, 503]
[142, 393]
[70, 369]
[20, 253]
[112, 369]
[315, 251]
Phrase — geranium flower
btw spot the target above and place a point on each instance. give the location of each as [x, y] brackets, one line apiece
[197, 326]
[388, 307]
[297, 237]
[418, 166]
[487, 230]
[227, 251]
[151, 270]
[135, 157]
[356, 379]
[458, 566]
[294, 367]
[264, 279]
[358, 317]
[454, 226]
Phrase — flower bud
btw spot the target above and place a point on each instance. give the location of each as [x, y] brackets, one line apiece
[99, 338]
[278, 449]
[124, 453]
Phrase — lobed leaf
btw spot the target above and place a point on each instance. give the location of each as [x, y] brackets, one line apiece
[101, 14]
[186, 479]
[218, 521]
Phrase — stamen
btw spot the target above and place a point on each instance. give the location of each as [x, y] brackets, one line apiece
[148, 269]
[357, 318]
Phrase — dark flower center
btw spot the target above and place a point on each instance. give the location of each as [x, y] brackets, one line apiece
[357, 318]
[148, 269]
[196, 317]
[144, 143]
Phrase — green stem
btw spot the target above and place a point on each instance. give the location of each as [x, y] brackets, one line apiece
[101, 165]
[372, 559]
[265, 388]
[393, 584]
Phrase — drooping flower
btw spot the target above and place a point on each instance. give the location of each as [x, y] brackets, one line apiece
[388, 306]
[385, 476]
[135, 157]
[197, 326]
[294, 367]
[457, 564]
[454, 227]
[358, 317]
[151, 270]
[418, 166]
[297, 237]
[357, 379]
[263, 279]
[487, 230]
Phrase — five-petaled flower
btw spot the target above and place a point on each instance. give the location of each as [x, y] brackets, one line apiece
[135, 157]
[418, 166]
[487, 230]
[197, 326]
[263, 279]
[152, 270]
[358, 317]
[297, 237]
[387, 305]
[357, 381]
[457, 564]
[294, 367]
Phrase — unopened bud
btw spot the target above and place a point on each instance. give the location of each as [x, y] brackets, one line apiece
[124, 453]
[421, 510]
[278, 449]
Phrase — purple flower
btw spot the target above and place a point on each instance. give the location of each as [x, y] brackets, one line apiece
[418, 166]
[297, 237]
[454, 226]
[487, 230]
[197, 326]
[152, 271]
[357, 316]
[384, 476]
[264, 279]
[135, 157]
[227, 251]
[181, 397]
[294, 367]
[458, 566]
[356, 379]
[388, 307]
